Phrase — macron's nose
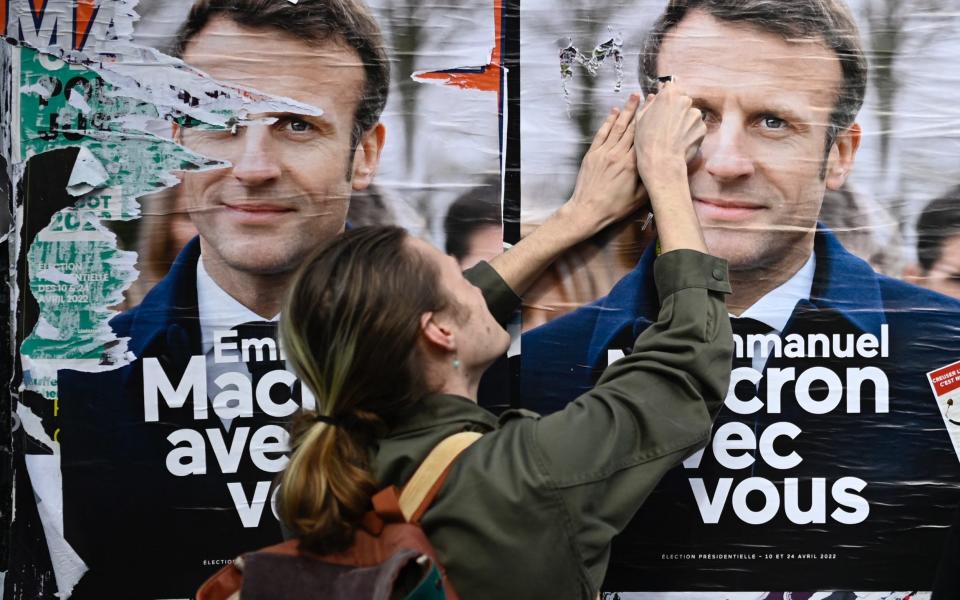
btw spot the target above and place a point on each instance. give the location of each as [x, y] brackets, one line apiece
[257, 164]
[724, 156]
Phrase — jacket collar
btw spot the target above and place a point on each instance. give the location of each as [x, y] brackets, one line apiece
[410, 439]
[170, 308]
[842, 283]
[442, 410]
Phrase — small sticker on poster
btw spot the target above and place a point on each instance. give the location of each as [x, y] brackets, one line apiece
[945, 383]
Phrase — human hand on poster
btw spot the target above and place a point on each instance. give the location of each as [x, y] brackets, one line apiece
[667, 134]
[607, 190]
[608, 185]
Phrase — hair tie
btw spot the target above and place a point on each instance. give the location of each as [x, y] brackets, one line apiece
[350, 421]
[318, 418]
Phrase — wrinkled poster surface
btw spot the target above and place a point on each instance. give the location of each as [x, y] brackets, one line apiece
[149, 396]
[833, 468]
[152, 397]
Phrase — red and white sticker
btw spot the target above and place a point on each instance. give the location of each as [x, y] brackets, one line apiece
[945, 383]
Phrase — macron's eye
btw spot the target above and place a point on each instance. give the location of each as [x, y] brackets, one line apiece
[774, 123]
[299, 125]
[708, 116]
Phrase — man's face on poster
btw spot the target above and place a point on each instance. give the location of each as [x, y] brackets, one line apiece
[767, 103]
[291, 180]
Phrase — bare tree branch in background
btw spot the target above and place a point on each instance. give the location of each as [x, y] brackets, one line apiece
[406, 19]
[407, 26]
[898, 28]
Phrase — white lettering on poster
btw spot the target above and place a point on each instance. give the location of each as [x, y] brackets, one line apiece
[815, 390]
[208, 449]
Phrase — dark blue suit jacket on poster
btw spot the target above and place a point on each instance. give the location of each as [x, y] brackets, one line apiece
[904, 456]
[139, 528]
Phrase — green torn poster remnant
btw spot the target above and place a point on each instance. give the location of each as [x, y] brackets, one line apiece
[64, 105]
[76, 271]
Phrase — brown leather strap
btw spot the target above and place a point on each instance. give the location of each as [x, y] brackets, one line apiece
[386, 503]
[429, 477]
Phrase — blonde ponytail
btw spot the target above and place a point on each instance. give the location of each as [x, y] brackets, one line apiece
[326, 487]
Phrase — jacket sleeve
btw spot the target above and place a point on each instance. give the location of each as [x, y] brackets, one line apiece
[606, 451]
[501, 299]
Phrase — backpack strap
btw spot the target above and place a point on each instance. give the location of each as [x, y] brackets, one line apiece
[429, 477]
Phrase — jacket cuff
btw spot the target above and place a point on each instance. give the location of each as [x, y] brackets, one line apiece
[682, 269]
[501, 300]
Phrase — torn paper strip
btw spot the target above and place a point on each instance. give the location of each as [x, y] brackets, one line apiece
[46, 482]
[88, 174]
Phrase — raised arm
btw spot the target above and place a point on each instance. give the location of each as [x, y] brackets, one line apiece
[606, 451]
[607, 190]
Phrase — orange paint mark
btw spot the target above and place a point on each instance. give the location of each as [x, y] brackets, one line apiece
[83, 16]
[486, 78]
[4, 12]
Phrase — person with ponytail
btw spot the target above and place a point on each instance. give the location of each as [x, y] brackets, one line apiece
[354, 344]
[392, 340]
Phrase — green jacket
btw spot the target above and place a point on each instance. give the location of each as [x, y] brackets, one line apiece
[529, 510]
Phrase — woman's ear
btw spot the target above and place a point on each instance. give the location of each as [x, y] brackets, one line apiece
[436, 334]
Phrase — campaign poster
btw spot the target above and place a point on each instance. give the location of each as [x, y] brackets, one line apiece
[161, 195]
[149, 402]
[827, 178]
